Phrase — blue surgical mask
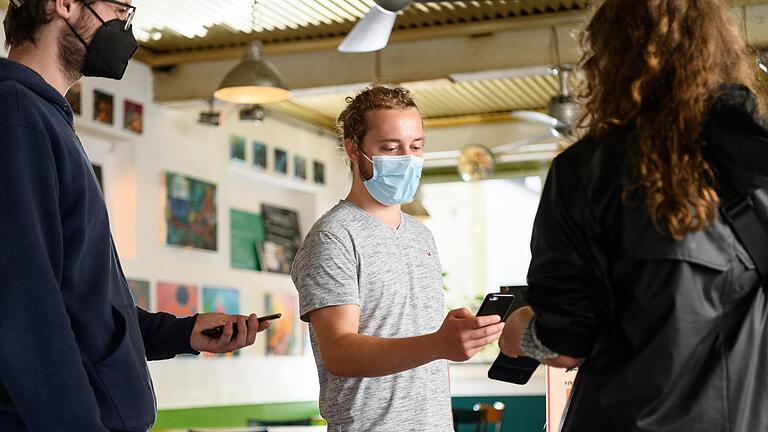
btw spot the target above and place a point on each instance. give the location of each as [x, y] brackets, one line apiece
[395, 178]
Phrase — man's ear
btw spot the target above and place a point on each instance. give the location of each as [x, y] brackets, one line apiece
[63, 8]
[352, 151]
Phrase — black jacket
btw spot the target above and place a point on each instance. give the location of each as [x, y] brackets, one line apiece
[74, 346]
[675, 333]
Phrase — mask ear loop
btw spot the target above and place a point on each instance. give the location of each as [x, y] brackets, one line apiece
[373, 166]
[75, 31]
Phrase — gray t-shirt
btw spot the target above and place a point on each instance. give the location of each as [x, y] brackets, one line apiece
[350, 257]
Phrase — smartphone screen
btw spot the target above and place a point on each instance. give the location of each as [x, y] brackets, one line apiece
[497, 304]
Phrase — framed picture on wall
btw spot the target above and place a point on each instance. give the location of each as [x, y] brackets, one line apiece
[103, 107]
[237, 149]
[140, 293]
[300, 167]
[318, 169]
[282, 334]
[177, 298]
[221, 300]
[74, 98]
[133, 116]
[260, 155]
[281, 161]
[190, 212]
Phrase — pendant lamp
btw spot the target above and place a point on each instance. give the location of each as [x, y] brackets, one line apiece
[253, 81]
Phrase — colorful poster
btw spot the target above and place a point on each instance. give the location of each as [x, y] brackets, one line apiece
[223, 300]
[133, 117]
[246, 231]
[140, 293]
[103, 107]
[237, 149]
[559, 385]
[190, 212]
[260, 155]
[282, 333]
[177, 299]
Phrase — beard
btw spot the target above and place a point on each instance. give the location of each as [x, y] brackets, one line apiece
[72, 51]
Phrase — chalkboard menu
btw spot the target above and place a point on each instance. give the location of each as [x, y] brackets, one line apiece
[281, 238]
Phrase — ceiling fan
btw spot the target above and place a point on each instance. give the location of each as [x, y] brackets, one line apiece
[372, 32]
[478, 162]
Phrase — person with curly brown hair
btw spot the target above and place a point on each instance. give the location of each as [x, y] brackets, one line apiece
[634, 275]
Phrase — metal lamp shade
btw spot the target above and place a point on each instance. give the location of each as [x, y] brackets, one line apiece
[253, 81]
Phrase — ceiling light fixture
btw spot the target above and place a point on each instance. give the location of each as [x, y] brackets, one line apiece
[253, 81]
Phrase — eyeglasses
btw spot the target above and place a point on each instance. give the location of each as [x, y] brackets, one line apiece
[126, 10]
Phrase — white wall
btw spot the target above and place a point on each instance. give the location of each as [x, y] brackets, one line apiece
[133, 169]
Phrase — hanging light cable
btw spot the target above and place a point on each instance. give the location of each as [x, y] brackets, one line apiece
[254, 80]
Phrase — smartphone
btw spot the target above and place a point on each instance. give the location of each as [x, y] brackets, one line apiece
[513, 370]
[497, 304]
[216, 332]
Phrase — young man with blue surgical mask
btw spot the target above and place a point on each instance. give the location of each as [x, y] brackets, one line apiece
[370, 284]
[75, 346]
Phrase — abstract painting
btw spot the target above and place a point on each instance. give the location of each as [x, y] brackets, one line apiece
[260, 155]
[282, 337]
[190, 212]
[103, 107]
[222, 300]
[74, 97]
[140, 293]
[237, 149]
[133, 117]
[281, 161]
[300, 167]
[319, 172]
[176, 298]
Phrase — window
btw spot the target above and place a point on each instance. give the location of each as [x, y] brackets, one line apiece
[483, 234]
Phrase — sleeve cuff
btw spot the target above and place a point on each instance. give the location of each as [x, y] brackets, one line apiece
[532, 346]
[183, 332]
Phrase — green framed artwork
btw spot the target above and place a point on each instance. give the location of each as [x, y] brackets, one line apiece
[190, 212]
[246, 231]
[237, 149]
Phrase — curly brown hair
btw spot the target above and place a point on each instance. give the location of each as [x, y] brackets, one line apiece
[655, 65]
[352, 123]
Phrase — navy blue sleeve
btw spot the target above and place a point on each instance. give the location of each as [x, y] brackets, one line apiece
[164, 334]
[40, 363]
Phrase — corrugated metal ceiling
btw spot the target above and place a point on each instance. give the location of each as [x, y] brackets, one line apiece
[176, 25]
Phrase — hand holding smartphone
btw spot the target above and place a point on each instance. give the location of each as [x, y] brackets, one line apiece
[217, 331]
[514, 370]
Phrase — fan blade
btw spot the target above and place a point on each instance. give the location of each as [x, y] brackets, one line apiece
[535, 117]
[370, 33]
[536, 139]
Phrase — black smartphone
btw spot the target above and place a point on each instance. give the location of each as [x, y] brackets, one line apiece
[513, 370]
[497, 304]
[217, 331]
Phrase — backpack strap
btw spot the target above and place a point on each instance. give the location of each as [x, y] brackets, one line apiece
[746, 223]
